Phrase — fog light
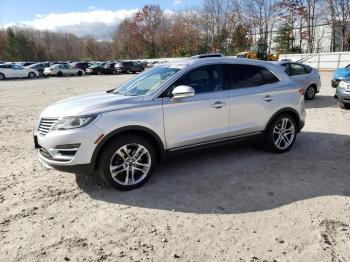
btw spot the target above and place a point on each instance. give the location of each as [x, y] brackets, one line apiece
[68, 146]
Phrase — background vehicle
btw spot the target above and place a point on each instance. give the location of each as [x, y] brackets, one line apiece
[305, 75]
[120, 134]
[258, 51]
[342, 94]
[39, 66]
[341, 74]
[207, 55]
[81, 65]
[128, 67]
[24, 64]
[96, 69]
[16, 71]
[109, 68]
[62, 70]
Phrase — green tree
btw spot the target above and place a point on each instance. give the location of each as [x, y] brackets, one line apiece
[284, 39]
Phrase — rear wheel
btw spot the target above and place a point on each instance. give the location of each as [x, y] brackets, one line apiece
[127, 162]
[128, 71]
[2, 76]
[31, 75]
[281, 134]
[80, 73]
[142, 69]
[343, 105]
[114, 72]
[59, 73]
[99, 72]
[310, 92]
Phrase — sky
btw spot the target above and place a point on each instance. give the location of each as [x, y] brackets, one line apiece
[81, 17]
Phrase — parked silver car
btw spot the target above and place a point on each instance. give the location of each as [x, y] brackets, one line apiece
[62, 70]
[342, 94]
[305, 75]
[121, 134]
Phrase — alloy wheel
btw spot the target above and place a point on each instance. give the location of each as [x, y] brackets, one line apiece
[283, 133]
[130, 164]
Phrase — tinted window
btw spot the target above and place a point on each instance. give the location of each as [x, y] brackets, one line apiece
[249, 76]
[203, 79]
[296, 69]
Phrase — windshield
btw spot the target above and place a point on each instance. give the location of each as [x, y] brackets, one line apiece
[146, 82]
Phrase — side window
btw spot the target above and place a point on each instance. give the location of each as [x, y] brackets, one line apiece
[268, 77]
[286, 66]
[296, 69]
[249, 76]
[203, 80]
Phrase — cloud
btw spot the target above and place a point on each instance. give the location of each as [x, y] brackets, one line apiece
[177, 2]
[97, 22]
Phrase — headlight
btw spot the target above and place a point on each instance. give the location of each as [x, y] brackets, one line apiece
[343, 84]
[73, 122]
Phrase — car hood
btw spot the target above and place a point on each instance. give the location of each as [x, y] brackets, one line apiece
[341, 72]
[88, 104]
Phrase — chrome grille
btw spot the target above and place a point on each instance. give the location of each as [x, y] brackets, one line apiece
[46, 125]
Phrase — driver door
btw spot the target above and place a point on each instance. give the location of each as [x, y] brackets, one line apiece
[202, 118]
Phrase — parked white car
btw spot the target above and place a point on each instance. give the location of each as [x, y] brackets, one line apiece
[62, 69]
[16, 71]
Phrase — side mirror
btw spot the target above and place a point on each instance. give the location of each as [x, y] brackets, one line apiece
[182, 92]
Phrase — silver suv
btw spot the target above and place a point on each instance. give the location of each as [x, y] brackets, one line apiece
[121, 134]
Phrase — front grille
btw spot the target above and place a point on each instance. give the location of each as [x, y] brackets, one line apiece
[46, 125]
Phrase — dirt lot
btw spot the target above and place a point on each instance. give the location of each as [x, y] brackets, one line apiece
[225, 204]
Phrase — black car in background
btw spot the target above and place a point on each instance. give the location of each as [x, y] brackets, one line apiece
[96, 69]
[128, 67]
[81, 65]
[109, 68]
[39, 66]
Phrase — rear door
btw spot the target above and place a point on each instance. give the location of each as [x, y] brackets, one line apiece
[199, 119]
[253, 98]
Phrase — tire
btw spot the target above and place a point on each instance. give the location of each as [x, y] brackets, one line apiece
[343, 105]
[80, 73]
[59, 73]
[99, 73]
[310, 92]
[113, 154]
[31, 75]
[283, 124]
[2, 76]
[128, 71]
[114, 72]
[142, 69]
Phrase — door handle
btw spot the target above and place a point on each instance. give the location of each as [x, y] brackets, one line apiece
[218, 105]
[269, 98]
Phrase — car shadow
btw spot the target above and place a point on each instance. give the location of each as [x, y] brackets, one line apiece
[240, 178]
[321, 101]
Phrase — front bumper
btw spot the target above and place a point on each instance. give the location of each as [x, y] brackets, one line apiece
[53, 151]
[343, 95]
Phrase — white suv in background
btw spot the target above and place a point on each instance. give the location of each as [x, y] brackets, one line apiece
[121, 134]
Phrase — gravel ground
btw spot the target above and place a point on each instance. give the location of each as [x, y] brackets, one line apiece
[226, 204]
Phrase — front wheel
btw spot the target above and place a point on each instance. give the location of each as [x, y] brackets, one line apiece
[281, 134]
[2, 76]
[127, 162]
[80, 73]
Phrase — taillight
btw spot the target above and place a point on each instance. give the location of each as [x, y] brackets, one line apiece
[301, 91]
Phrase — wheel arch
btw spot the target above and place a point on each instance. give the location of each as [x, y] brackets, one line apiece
[141, 131]
[287, 110]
